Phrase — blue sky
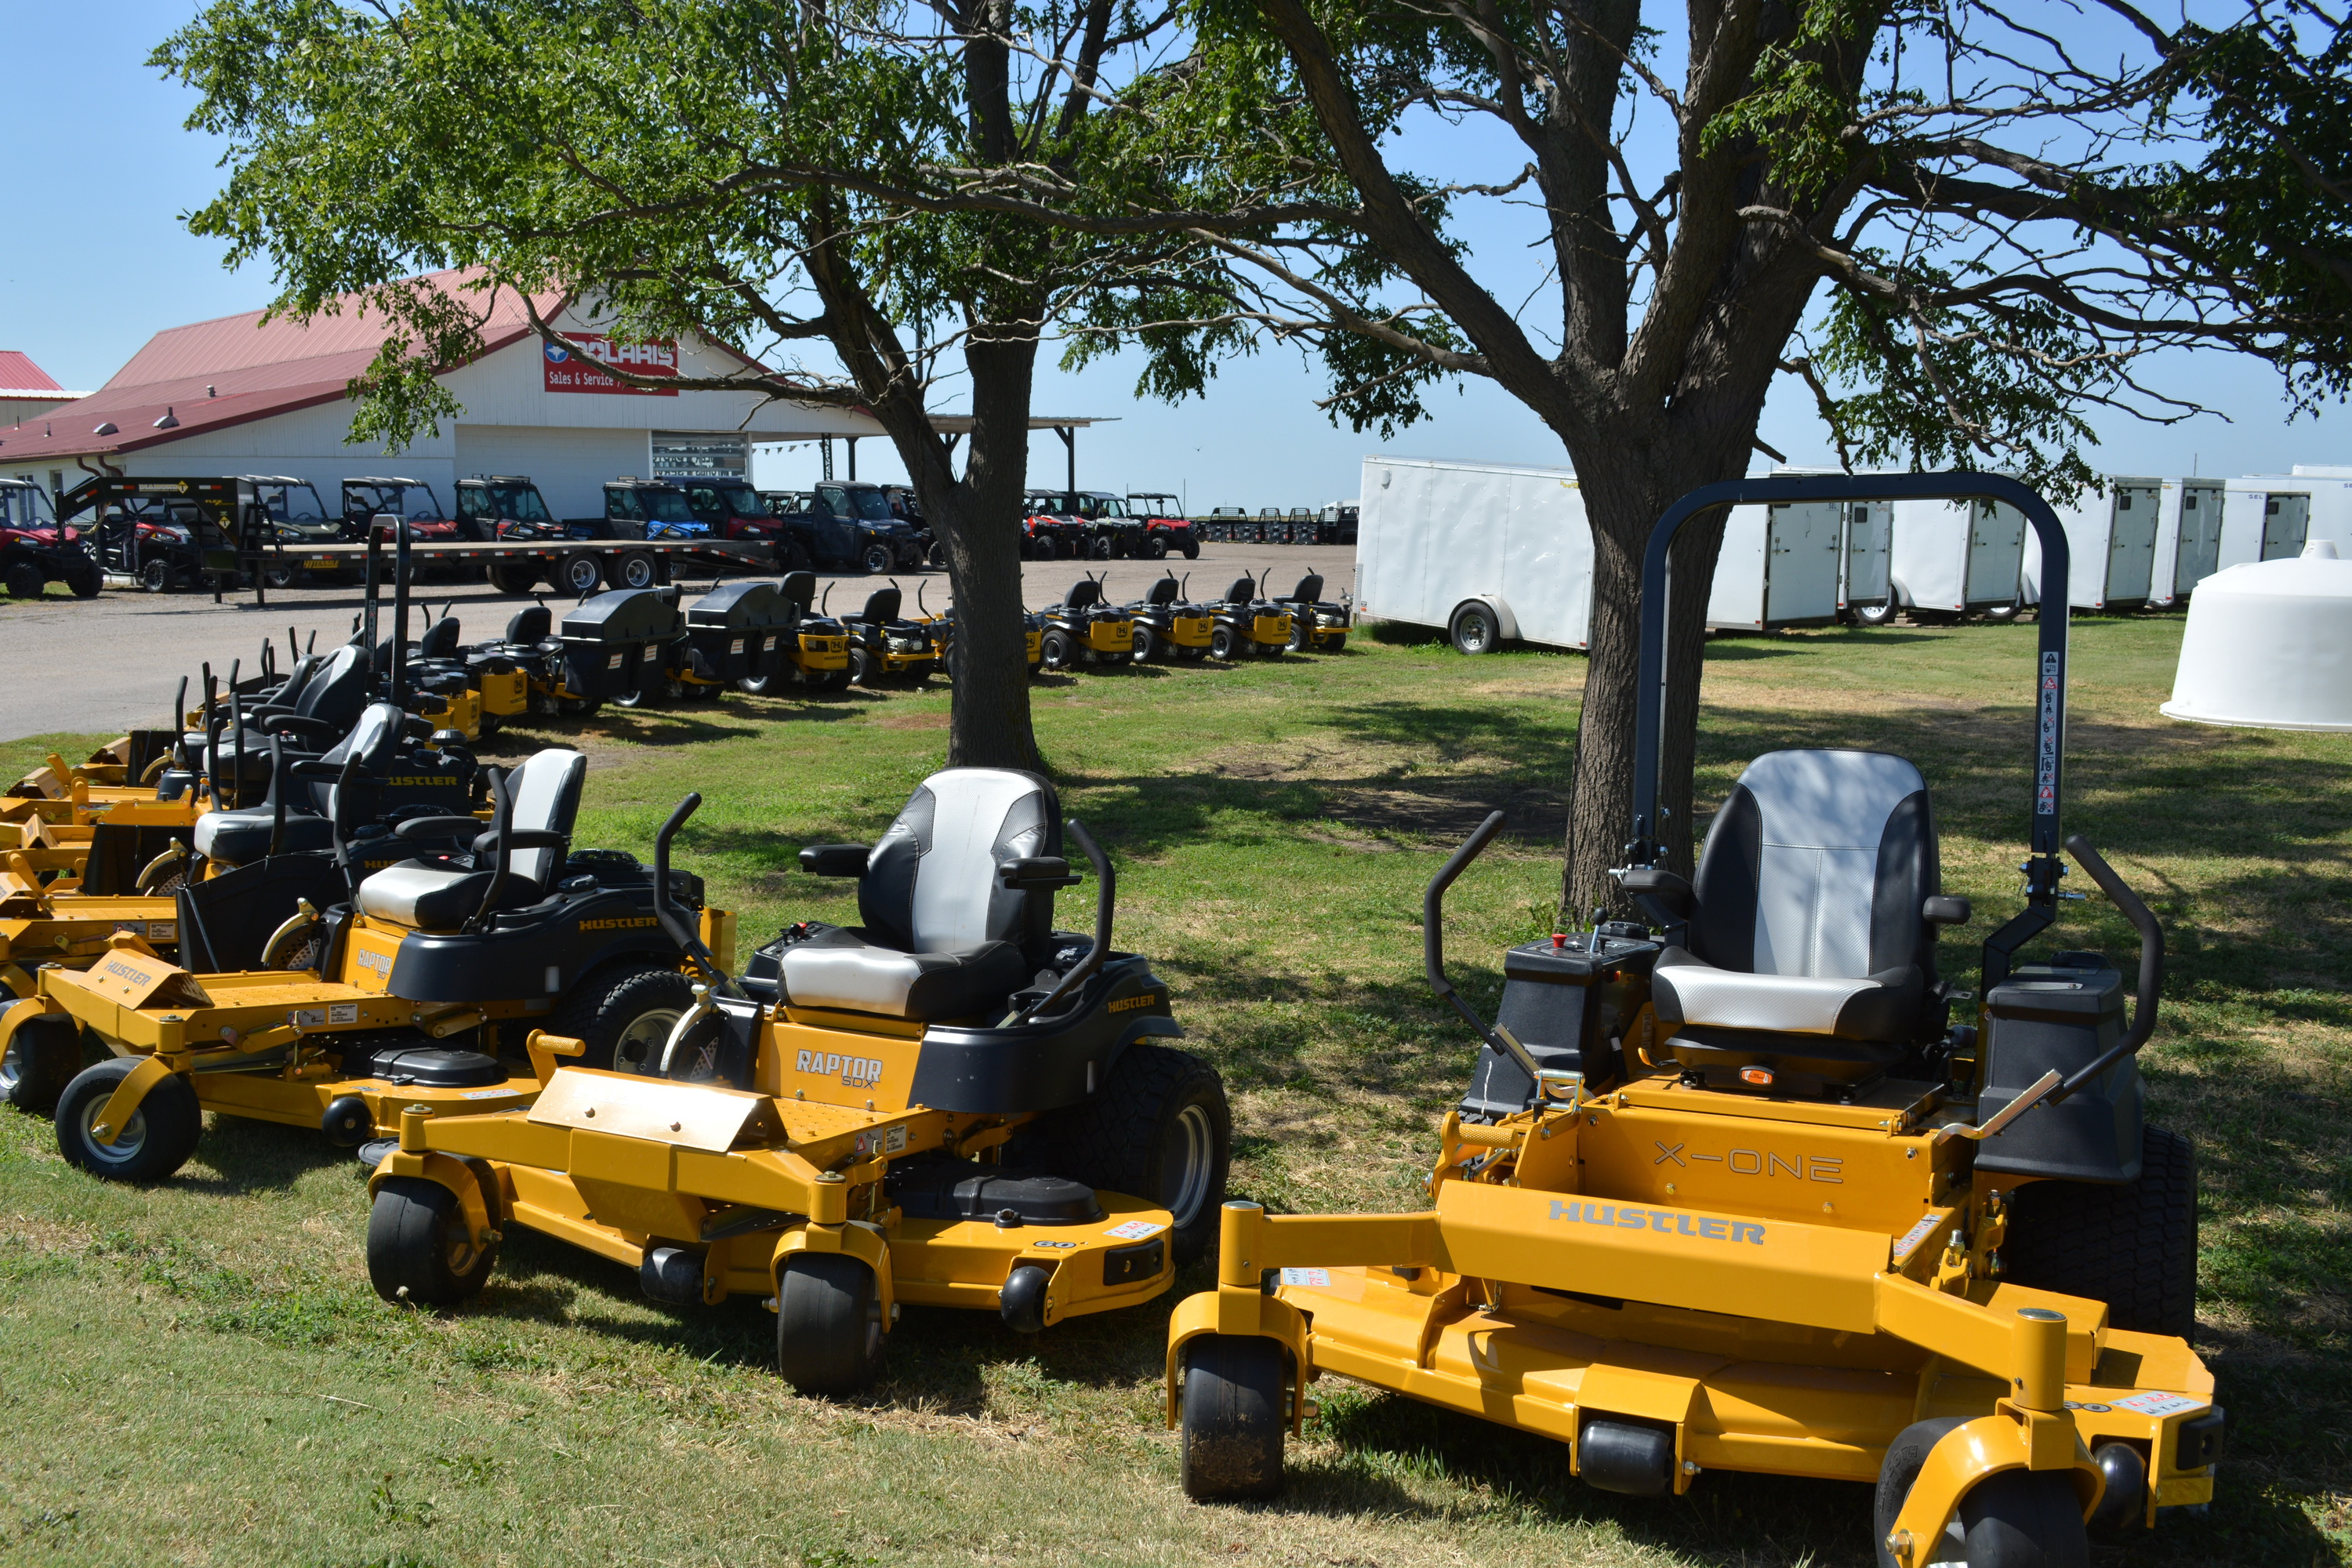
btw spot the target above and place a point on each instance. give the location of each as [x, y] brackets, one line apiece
[98, 261]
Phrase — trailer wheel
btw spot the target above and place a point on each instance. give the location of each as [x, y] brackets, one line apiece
[42, 1057]
[580, 572]
[1878, 614]
[158, 1140]
[2001, 615]
[1233, 1400]
[419, 1249]
[2133, 1246]
[829, 1327]
[1473, 630]
[636, 569]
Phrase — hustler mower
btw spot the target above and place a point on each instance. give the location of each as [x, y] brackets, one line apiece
[412, 985]
[883, 645]
[1732, 1195]
[1168, 626]
[814, 651]
[1316, 626]
[1083, 629]
[953, 1105]
[1247, 623]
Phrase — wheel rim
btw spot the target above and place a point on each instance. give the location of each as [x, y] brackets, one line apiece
[638, 575]
[1188, 1164]
[1475, 633]
[12, 1072]
[126, 1147]
[458, 1250]
[582, 574]
[639, 1048]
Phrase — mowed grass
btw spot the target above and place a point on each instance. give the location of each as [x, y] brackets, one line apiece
[199, 1372]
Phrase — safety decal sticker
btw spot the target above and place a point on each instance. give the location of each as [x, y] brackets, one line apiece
[343, 1013]
[880, 1139]
[2159, 1404]
[614, 661]
[307, 1017]
[489, 1094]
[1320, 1278]
[1135, 1230]
[1915, 1236]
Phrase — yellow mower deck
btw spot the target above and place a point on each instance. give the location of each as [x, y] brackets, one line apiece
[1787, 1285]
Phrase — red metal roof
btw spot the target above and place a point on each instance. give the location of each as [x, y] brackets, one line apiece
[232, 370]
[19, 374]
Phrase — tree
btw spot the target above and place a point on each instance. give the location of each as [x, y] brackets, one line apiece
[1961, 232]
[723, 168]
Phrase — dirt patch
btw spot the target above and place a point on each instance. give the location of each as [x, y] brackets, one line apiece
[911, 721]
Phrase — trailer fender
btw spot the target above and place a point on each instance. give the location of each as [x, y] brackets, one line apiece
[469, 1187]
[1964, 1457]
[1507, 624]
[1234, 1309]
[857, 1239]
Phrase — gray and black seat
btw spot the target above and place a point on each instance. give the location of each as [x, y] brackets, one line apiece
[240, 837]
[440, 893]
[944, 935]
[326, 706]
[1808, 943]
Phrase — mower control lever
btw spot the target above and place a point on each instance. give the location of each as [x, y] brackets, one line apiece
[1432, 945]
[680, 931]
[2041, 1088]
[2151, 966]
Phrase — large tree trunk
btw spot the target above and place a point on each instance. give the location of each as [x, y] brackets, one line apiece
[1627, 486]
[989, 725]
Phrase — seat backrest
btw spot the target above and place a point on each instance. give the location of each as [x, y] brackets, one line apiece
[800, 587]
[376, 739]
[1309, 589]
[1163, 591]
[1083, 594]
[290, 691]
[1243, 591]
[930, 881]
[1818, 864]
[336, 694]
[882, 604]
[440, 640]
[530, 625]
[546, 791]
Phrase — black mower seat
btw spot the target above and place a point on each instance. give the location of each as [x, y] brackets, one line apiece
[241, 836]
[531, 624]
[882, 604]
[440, 894]
[1243, 591]
[440, 640]
[942, 939]
[1163, 591]
[800, 587]
[1309, 589]
[335, 694]
[1808, 938]
[1084, 594]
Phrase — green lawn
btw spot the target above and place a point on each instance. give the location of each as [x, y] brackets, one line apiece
[200, 1374]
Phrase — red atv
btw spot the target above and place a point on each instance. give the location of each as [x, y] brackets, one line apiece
[1166, 529]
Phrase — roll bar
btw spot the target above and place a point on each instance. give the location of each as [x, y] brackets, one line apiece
[2042, 867]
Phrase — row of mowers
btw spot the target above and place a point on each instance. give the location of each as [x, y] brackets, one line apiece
[1166, 625]
[1731, 1185]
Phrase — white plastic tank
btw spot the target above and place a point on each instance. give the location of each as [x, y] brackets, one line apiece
[2269, 646]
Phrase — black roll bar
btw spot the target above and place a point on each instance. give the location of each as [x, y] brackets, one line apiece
[2043, 868]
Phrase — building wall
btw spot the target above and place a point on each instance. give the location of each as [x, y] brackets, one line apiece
[570, 467]
[305, 444]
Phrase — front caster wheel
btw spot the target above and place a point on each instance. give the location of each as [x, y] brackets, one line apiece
[420, 1250]
[1234, 1387]
[828, 1323]
[157, 1139]
[2015, 1518]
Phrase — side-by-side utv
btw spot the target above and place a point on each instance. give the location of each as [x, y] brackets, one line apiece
[1730, 1191]
[953, 1104]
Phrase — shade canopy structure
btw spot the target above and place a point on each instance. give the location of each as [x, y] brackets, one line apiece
[2269, 646]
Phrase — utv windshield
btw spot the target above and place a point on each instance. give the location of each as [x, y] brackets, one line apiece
[291, 503]
[736, 500]
[26, 506]
[865, 504]
[517, 503]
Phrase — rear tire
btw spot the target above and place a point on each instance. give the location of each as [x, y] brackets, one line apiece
[161, 1136]
[580, 572]
[636, 569]
[86, 581]
[625, 1014]
[1222, 643]
[1159, 1130]
[2133, 1246]
[513, 579]
[26, 582]
[2000, 615]
[418, 1249]
[43, 1056]
[1233, 1418]
[829, 1327]
[156, 576]
[1058, 650]
[1148, 646]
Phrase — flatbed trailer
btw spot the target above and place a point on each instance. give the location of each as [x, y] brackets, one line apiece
[572, 566]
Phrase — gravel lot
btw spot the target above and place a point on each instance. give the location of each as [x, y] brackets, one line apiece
[113, 662]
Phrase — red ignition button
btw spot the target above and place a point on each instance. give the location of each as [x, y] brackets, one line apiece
[1559, 940]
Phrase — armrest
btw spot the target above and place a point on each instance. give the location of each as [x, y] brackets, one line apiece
[296, 724]
[833, 859]
[438, 826]
[1671, 893]
[313, 768]
[518, 838]
[1945, 910]
[1036, 873]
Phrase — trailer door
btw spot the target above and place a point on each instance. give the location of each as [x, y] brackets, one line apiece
[1801, 564]
[2286, 522]
[1869, 526]
[1996, 555]
[2198, 555]
[2131, 542]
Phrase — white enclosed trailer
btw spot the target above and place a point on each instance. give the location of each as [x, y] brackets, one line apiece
[1779, 566]
[2187, 538]
[2263, 518]
[1482, 552]
[1956, 557]
[2329, 489]
[2111, 536]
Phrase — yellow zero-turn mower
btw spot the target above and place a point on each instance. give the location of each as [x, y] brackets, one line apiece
[1733, 1196]
[1246, 622]
[883, 645]
[1317, 626]
[1083, 629]
[953, 1105]
[1167, 625]
[419, 978]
